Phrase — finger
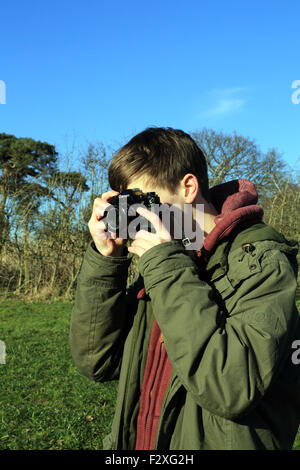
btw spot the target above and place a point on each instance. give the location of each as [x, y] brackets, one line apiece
[102, 203]
[143, 245]
[139, 248]
[101, 234]
[104, 234]
[143, 234]
[109, 194]
[101, 226]
[161, 231]
[113, 235]
[136, 251]
[97, 202]
[100, 209]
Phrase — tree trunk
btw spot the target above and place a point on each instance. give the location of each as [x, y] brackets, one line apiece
[73, 277]
[53, 277]
[26, 263]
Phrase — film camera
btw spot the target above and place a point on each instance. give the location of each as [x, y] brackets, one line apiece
[117, 212]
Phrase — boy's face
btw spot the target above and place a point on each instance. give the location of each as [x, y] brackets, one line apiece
[165, 196]
[192, 225]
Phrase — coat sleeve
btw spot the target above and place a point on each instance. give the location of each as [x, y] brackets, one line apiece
[100, 317]
[227, 367]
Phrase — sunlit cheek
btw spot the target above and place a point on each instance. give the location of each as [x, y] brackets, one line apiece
[168, 199]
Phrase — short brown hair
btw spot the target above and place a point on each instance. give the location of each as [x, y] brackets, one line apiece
[162, 156]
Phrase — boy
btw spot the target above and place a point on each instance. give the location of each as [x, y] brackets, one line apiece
[201, 343]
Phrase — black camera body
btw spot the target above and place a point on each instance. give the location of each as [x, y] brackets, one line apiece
[119, 207]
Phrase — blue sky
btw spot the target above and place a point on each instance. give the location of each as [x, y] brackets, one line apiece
[103, 71]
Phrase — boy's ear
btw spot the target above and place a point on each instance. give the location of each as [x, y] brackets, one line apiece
[189, 187]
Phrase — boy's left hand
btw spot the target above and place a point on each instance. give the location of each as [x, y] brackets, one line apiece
[145, 240]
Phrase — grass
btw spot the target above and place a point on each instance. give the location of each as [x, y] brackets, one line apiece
[44, 401]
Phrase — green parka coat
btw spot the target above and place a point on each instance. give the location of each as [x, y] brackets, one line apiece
[229, 332]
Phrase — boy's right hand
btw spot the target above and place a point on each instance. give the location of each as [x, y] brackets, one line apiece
[106, 242]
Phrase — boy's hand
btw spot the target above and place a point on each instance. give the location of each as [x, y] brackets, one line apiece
[145, 240]
[106, 242]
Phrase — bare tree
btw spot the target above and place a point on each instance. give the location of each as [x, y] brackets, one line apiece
[233, 156]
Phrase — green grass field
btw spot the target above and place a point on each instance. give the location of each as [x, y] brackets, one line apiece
[44, 401]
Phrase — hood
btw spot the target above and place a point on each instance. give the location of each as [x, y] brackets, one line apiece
[236, 203]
